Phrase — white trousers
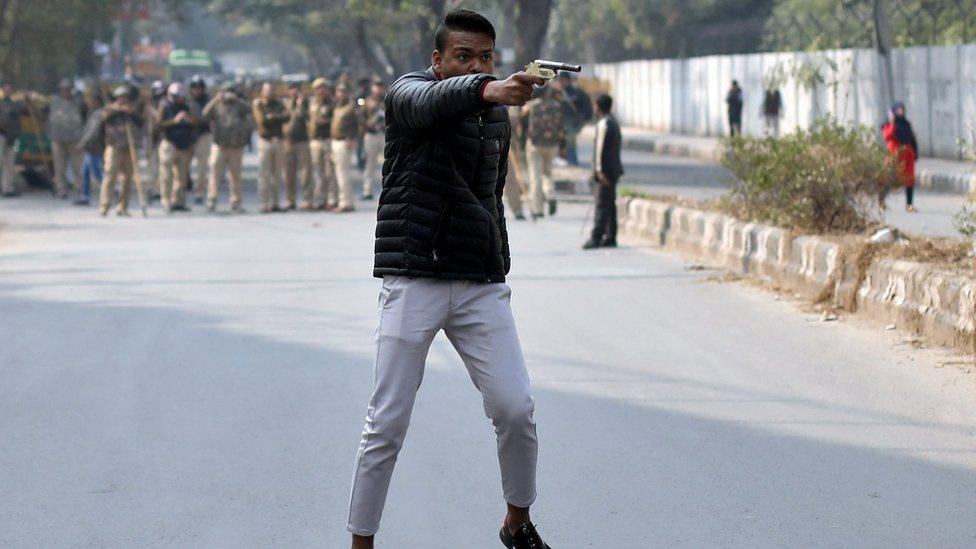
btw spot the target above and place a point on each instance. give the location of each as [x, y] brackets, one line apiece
[541, 185]
[477, 319]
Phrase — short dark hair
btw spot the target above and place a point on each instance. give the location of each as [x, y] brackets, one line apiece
[605, 102]
[462, 20]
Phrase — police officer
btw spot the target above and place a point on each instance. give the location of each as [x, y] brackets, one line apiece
[120, 122]
[179, 129]
[545, 133]
[201, 149]
[296, 151]
[269, 117]
[65, 122]
[231, 124]
[157, 92]
[320, 144]
[345, 134]
[374, 127]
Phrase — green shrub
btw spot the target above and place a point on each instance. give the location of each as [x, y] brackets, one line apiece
[829, 178]
[965, 219]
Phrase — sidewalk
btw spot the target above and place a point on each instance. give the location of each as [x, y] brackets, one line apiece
[933, 174]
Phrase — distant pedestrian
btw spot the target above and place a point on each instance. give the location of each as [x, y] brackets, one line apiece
[517, 180]
[231, 125]
[772, 111]
[65, 122]
[11, 111]
[902, 145]
[119, 122]
[375, 125]
[577, 111]
[92, 144]
[269, 117]
[179, 132]
[345, 134]
[607, 169]
[296, 152]
[545, 133]
[733, 100]
[201, 147]
[326, 194]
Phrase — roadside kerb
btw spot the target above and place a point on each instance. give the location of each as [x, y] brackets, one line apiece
[919, 298]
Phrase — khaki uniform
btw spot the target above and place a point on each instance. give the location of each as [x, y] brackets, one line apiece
[231, 125]
[269, 116]
[297, 156]
[118, 157]
[320, 148]
[516, 180]
[345, 132]
[64, 127]
[545, 134]
[201, 149]
[373, 143]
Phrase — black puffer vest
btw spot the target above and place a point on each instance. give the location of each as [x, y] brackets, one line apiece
[440, 213]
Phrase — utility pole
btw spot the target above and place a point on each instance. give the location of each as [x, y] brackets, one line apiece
[882, 44]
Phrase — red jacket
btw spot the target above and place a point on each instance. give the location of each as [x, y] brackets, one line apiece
[904, 152]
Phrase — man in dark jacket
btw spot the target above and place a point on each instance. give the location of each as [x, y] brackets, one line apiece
[607, 169]
[442, 251]
[179, 129]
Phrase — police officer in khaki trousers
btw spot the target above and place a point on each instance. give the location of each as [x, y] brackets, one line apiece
[373, 140]
[65, 120]
[201, 149]
[326, 193]
[178, 126]
[269, 117]
[297, 156]
[231, 126]
[120, 121]
[345, 133]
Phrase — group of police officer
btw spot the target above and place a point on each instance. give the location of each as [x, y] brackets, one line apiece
[306, 145]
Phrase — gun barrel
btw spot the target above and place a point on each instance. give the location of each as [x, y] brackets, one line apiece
[557, 66]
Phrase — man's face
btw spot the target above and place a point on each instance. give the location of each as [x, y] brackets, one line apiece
[66, 93]
[342, 95]
[465, 53]
[323, 93]
[196, 92]
[900, 111]
[378, 90]
[294, 92]
[267, 91]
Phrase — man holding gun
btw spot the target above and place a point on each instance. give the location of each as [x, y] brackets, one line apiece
[442, 252]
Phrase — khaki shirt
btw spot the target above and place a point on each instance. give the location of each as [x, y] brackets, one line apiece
[374, 115]
[269, 117]
[320, 118]
[296, 128]
[345, 122]
[230, 122]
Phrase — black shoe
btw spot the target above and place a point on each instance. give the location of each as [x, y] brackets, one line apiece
[367, 197]
[608, 243]
[11, 194]
[536, 217]
[180, 208]
[552, 207]
[289, 207]
[198, 200]
[525, 537]
[591, 244]
[520, 216]
[82, 202]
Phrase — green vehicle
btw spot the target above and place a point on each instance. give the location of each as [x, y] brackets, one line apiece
[183, 64]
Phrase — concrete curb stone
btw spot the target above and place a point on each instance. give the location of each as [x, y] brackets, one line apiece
[916, 297]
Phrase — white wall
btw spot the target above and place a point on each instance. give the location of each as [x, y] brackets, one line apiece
[937, 84]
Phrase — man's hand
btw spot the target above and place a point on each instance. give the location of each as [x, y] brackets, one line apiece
[515, 90]
[602, 179]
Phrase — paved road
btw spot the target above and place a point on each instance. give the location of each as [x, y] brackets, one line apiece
[200, 380]
[662, 174]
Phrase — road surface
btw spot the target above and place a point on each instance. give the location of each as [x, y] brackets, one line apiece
[200, 380]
